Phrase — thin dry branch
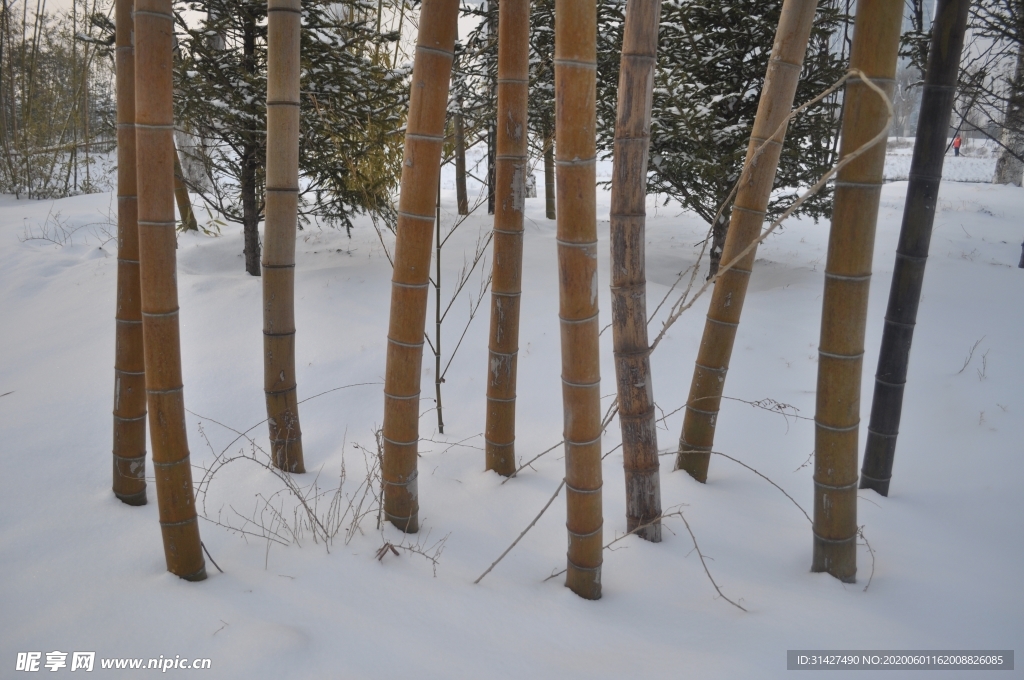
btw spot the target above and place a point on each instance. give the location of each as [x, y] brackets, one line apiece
[970, 354]
[520, 536]
[705, 564]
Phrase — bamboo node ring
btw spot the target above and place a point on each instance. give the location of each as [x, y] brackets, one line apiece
[848, 428]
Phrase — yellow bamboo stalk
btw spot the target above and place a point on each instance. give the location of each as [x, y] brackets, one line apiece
[576, 232]
[154, 129]
[723, 318]
[510, 198]
[129, 366]
[283, 54]
[876, 36]
[629, 278]
[421, 169]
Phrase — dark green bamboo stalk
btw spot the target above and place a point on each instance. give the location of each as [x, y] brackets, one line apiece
[915, 235]
[876, 37]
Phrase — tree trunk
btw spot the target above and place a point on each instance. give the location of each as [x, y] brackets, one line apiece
[1009, 168]
[629, 276]
[217, 40]
[1021, 264]
[745, 222]
[129, 367]
[718, 234]
[490, 168]
[876, 37]
[438, 311]
[549, 177]
[421, 169]
[575, 91]
[188, 217]
[460, 163]
[250, 166]
[250, 210]
[154, 28]
[510, 199]
[283, 54]
[915, 236]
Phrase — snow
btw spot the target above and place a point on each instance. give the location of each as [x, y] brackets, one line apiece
[84, 572]
[976, 162]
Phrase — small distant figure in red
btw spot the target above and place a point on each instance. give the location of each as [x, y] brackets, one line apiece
[956, 144]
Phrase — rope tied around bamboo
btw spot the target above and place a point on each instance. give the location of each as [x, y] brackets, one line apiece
[679, 309]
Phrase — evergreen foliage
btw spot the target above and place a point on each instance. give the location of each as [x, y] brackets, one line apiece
[352, 110]
[712, 58]
[475, 80]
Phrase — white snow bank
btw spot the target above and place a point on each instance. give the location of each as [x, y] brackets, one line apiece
[85, 573]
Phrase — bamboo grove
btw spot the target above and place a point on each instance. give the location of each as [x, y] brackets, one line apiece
[148, 371]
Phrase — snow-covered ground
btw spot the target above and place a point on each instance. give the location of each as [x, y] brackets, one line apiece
[976, 162]
[83, 572]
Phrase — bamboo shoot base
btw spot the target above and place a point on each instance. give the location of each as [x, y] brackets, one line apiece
[838, 558]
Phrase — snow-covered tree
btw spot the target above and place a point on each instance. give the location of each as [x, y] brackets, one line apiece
[352, 109]
[475, 83]
[541, 111]
[712, 58]
[993, 81]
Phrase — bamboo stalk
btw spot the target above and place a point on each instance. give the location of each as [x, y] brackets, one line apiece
[629, 278]
[706, 388]
[129, 367]
[420, 172]
[575, 124]
[283, 55]
[154, 127]
[510, 199]
[937, 96]
[876, 36]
